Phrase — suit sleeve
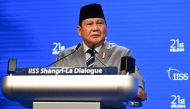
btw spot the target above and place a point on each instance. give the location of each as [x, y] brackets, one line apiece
[137, 72]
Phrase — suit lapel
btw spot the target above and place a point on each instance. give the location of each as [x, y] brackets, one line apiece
[105, 50]
[80, 57]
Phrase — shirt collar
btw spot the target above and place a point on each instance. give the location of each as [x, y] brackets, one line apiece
[97, 49]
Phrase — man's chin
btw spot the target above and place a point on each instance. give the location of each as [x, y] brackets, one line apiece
[97, 42]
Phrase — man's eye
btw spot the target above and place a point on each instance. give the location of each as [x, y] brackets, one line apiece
[89, 23]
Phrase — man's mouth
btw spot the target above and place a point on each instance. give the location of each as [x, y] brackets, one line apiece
[95, 35]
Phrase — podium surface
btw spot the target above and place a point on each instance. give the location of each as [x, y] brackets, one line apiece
[70, 88]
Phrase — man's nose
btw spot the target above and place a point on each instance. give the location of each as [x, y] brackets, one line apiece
[95, 27]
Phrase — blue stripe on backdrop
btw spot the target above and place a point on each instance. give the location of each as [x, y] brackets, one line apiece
[33, 32]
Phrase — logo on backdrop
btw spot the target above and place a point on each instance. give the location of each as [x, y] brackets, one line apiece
[177, 102]
[57, 48]
[175, 74]
[177, 46]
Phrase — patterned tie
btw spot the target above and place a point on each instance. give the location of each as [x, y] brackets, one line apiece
[90, 61]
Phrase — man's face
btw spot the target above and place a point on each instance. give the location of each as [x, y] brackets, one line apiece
[93, 31]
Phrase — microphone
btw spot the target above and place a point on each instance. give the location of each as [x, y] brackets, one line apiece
[66, 55]
[93, 47]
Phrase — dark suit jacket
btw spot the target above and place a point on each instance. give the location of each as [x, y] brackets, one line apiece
[113, 54]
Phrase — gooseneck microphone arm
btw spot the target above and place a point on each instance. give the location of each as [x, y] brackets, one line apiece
[93, 48]
[66, 55]
[100, 61]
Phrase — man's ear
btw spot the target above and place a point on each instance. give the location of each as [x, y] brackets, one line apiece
[79, 30]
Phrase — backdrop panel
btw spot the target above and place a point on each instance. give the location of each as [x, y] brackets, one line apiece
[157, 33]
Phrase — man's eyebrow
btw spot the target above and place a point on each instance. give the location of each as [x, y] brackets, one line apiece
[98, 21]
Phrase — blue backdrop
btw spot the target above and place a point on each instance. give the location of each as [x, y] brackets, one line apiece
[157, 32]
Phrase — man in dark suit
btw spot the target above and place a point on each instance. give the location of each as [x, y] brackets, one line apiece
[93, 30]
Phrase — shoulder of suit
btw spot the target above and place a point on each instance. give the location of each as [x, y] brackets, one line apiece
[118, 47]
[68, 50]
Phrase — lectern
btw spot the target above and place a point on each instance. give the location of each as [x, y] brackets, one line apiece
[70, 91]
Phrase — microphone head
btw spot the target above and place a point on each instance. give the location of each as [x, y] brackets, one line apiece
[78, 46]
[93, 46]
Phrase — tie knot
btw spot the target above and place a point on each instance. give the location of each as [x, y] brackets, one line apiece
[92, 52]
